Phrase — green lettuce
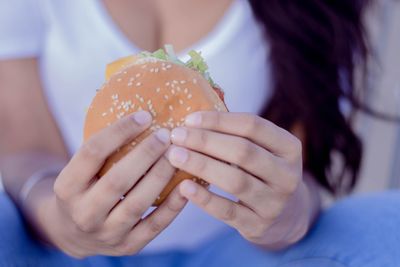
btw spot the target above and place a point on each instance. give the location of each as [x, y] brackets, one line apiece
[196, 61]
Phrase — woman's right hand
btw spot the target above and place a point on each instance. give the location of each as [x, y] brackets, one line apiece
[89, 216]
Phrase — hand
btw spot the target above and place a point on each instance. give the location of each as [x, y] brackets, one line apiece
[90, 216]
[244, 155]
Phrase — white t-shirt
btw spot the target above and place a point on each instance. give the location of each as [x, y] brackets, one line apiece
[75, 39]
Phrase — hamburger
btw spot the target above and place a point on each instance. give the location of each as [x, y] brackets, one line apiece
[160, 83]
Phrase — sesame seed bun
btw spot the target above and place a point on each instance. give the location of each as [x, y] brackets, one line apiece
[168, 91]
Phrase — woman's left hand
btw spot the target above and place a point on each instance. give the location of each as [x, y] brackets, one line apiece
[244, 155]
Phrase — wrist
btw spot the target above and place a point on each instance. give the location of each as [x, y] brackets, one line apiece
[292, 224]
[39, 209]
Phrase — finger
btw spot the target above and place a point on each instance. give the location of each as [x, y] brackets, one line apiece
[147, 229]
[232, 213]
[253, 192]
[129, 211]
[234, 149]
[261, 131]
[107, 191]
[85, 164]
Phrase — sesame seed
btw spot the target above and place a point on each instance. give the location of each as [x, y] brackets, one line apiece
[152, 70]
[131, 79]
[170, 107]
[141, 100]
[173, 91]
[111, 110]
[104, 114]
[189, 96]
[138, 84]
[185, 91]
[178, 89]
[156, 70]
[188, 108]
[130, 84]
[119, 79]
[137, 96]
[125, 72]
[183, 82]
[166, 97]
[181, 101]
[144, 66]
[175, 82]
[137, 75]
[194, 81]
[169, 66]
[158, 89]
[164, 69]
[167, 83]
[149, 101]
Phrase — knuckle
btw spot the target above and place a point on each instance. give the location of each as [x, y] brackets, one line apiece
[239, 184]
[160, 172]
[199, 164]
[213, 119]
[123, 128]
[246, 153]
[152, 148]
[155, 226]
[230, 212]
[202, 139]
[83, 220]
[106, 237]
[253, 125]
[115, 184]
[174, 206]
[92, 149]
[206, 199]
[136, 210]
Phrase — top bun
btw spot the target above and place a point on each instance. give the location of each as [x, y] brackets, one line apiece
[169, 91]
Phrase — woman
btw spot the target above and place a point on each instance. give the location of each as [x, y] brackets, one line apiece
[286, 62]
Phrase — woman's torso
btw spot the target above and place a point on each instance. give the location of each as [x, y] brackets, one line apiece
[81, 37]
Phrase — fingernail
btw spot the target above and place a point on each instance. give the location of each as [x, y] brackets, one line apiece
[163, 135]
[178, 155]
[142, 117]
[193, 119]
[188, 188]
[179, 135]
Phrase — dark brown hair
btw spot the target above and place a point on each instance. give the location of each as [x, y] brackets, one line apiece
[314, 48]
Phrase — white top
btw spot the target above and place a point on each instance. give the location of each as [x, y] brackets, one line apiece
[75, 39]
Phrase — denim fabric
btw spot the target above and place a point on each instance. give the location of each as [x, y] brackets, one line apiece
[359, 231]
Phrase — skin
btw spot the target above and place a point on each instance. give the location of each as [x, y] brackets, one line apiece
[277, 200]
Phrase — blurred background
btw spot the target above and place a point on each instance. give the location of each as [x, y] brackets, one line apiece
[381, 161]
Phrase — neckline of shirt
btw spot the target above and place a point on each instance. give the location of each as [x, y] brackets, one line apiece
[209, 45]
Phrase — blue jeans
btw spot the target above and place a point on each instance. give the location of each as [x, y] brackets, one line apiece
[359, 231]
